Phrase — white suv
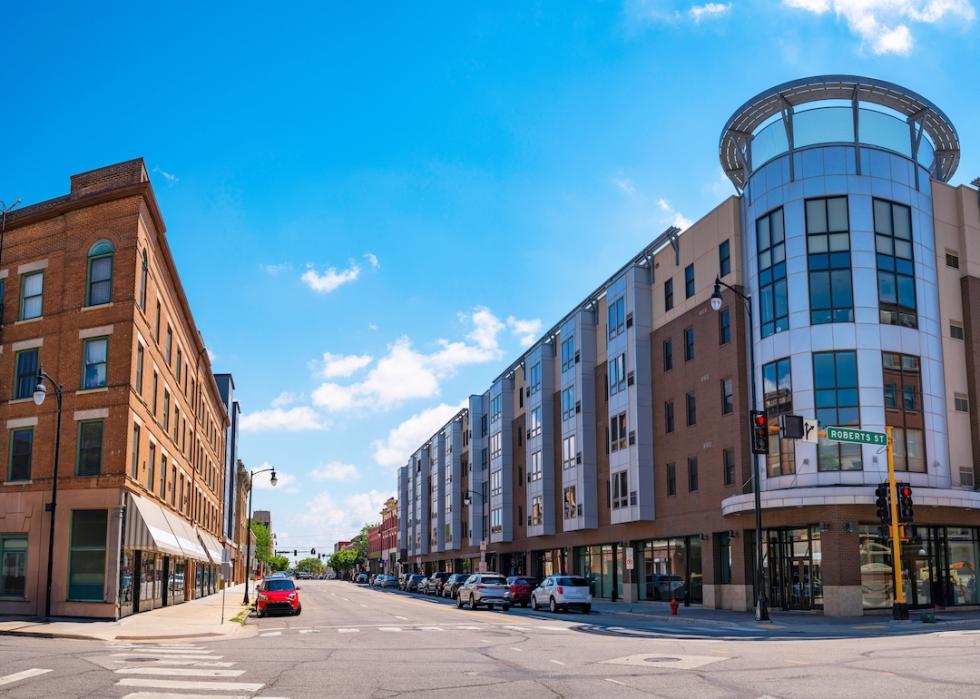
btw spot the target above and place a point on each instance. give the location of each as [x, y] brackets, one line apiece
[562, 592]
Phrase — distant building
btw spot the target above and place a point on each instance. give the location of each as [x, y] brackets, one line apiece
[340, 546]
[226, 388]
[389, 536]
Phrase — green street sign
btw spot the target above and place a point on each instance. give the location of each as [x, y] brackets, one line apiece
[846, 434]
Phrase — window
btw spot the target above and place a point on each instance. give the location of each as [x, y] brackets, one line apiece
[668, 294]
[180, 364]
[496, 520]
[25, 380]
[617, 374]
[534, 467]
[668, 355]
[95, 353]
[773, 300]
[692, 474]
[688, 344]
[534, 419]
[669, 416]
[13, 565]
[535, 382]
[620, 490]
[135, 466]
[955, 331]
[724, 259]
[151, 469]
[31, 295]
[156, 334]
[728, 466]
[829, 257]
[689, 281]
[724, 327]
[494, 408]
[568, 403]
[21, 451]
[836, 397]
[166, 410]
[568, 458]
[170, 345]
[163, 476]
[903, 410]
[569, 502]
[536, 511]
[961, 402]
[727, 396]
[617, 432]
[777, 396]
[86, 558]
[952, 259]
[692, 409]
[89, 448]
[617, 317]
[567, 354]
[144, 268]
[671, 479]
[139, 368]
[896, 264]
[495, 445]
[100, 273]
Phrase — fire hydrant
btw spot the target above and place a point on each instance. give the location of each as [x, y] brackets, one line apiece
[674, 604]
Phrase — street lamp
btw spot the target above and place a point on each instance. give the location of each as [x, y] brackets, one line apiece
[40, 393]
[761, 607]
[248, 545]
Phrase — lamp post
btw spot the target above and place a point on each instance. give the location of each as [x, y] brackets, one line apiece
[248, 544]
[761, 605]
[40, 393]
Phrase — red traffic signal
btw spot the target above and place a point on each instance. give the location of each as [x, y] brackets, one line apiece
[905, 513]
[759, 432]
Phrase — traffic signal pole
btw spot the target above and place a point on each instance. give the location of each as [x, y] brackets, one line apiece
[900, 610]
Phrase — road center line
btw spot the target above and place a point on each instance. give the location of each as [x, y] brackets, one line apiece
[556, 662]
[610, 679]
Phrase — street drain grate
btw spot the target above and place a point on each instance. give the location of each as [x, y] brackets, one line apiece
[661, 660]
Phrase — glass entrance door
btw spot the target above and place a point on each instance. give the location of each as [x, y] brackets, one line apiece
[792, 564]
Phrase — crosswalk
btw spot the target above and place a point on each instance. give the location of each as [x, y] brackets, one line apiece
[426, 628]
[175, 671]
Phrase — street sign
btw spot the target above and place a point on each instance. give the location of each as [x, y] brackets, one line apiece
[629, 558]
[810, 430]
[846, 434]
[483, 546]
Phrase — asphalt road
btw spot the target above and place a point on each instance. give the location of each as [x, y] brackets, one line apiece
[360, 642]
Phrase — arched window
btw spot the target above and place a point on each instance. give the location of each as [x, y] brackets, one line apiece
[143, 273]
[100, 273]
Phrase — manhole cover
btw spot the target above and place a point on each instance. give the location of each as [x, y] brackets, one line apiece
[661, 660]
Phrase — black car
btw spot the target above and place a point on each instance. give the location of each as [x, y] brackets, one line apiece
[436, 581]
[452, 583]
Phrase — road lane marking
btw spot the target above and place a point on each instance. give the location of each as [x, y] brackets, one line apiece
[348, 630]
[184, 684]
[431, 628]
[270, 633]
[181, 695]
[167, 658]
[179, 672]
[364, 605]
[610, 679]
[389, 628]
[403, 618]
[276, 628]
[171, 651]
[516, 650]
[556, 662]
[793, 661]
[22, 675]
[308, 631]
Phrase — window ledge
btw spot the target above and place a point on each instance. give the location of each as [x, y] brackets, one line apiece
[28, 320]
[101, 305]
[15, 401]
[27, 482]
[85, 391]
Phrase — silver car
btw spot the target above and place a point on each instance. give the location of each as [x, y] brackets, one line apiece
[562, 592]
[488, 589]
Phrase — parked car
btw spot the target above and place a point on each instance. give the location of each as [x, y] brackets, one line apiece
[488, 589]
[386, 581]
[361, 579]
[562, 592]
[436, 581]
[520, 589]
[413, 581]
[452, 583]
[402, 580]
[277, 595]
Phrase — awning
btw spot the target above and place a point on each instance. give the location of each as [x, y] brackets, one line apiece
[185, 535]
[147, 527]
[213, 548]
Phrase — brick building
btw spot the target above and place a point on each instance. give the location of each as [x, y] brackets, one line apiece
[93, 297]
[389, 536]
[616, 446]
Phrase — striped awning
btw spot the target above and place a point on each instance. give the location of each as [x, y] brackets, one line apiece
[184, 532]
[147, 527]
[211, 545]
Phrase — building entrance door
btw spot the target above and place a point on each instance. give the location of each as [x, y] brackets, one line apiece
[793, 568]
[137, 581]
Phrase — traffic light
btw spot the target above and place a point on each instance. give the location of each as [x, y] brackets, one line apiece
[883, 503]
[312, 552]
[904, 491]
[759, 432]
[295, 553]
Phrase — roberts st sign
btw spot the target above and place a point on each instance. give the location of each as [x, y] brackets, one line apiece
[846, 434]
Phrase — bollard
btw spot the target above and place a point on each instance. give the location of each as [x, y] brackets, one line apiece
[674, 604]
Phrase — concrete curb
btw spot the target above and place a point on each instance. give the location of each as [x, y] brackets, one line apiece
[47, 634]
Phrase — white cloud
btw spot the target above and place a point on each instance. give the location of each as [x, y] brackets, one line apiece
[276, 269]
[372, 327]
[527, 331]
[883, 25]
[625, 184]
[168, 176]
[673, 217]
[327, 519]
[283, 399]
[372, 260]
[407, 436]
[298, 419]
[338, 365]
[330, 279]
[709, 10]
[211, 355]
[405, 373]
[335, 471]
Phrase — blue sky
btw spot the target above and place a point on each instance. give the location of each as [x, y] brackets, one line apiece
[371, 209]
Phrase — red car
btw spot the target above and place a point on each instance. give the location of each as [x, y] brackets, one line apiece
[277, 595]
[520, 589]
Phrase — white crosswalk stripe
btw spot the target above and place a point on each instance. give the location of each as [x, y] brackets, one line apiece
[22, 675]
[179, 672]
[187, 684]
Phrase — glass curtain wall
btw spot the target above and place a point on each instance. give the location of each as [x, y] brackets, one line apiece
[670, 569]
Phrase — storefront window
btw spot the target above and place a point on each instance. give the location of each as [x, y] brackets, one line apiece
[964, 556]
[126, 584]
[670, 569]
[877, 580]
[86, 559]
[13, 561]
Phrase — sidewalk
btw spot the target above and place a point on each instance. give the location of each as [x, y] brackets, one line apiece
[200, 619]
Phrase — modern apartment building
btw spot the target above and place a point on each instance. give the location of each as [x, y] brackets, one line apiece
[617, 447]
[94, 299]
[232, 513]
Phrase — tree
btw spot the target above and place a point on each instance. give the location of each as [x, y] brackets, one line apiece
[310, 565]
[344, 560]
[263, 544]
[279, 563]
